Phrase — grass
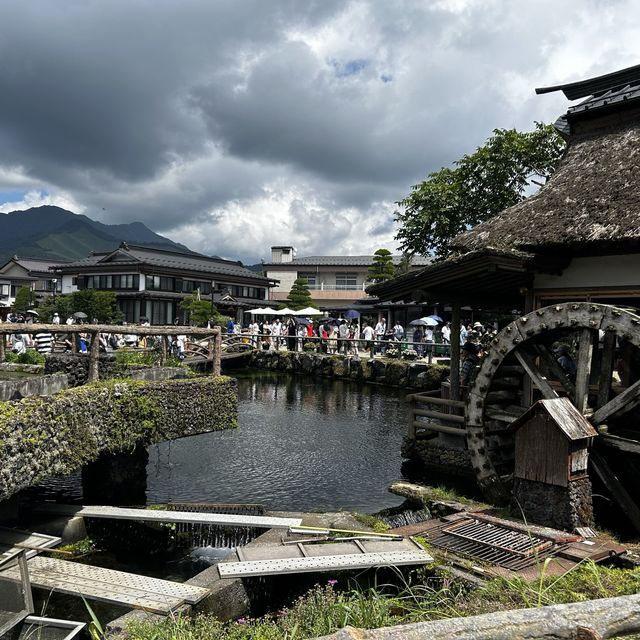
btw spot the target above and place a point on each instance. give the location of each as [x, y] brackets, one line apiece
[328, 608]
[375, 524]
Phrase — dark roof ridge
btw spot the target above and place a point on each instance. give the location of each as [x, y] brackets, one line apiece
[193, 254]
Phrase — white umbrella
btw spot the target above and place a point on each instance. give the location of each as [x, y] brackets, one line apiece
[286, 312]
[309, 311]
[266, 311]
[255, 312]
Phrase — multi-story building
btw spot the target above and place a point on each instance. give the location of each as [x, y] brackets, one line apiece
[151, 283]
[33, 273]
[335, 282]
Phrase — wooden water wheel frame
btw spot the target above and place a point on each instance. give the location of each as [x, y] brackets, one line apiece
[524, 345]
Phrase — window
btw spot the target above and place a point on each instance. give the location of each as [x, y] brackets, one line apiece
[346, 281]
[309, 277]
[129, 281]
[4, 290]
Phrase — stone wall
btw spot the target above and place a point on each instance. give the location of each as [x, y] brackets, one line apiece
[452, 460]
[58, 434]
[397, 373]
[32, 385]
[76, 367]
[552, 505]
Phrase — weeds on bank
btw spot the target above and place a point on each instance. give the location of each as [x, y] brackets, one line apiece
[326, 609]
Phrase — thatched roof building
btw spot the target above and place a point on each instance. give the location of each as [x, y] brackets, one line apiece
[578, 238]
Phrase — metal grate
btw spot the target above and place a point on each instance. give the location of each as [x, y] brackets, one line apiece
[493, 543]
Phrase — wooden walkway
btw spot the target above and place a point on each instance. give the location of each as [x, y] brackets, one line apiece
[106, 585]
[309, 555]
[157, 515]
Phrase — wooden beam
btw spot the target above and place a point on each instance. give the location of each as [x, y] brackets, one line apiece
[533, 372]
[549, 359]
[628, 399]
[2, 348]
[606, 368]
[585, 353]
[94, 358]
[620, 494]
[619, 444]
[439, 416]
[440, 428]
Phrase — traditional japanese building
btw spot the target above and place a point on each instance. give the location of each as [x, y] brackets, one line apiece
[34, 273]
[151, 283]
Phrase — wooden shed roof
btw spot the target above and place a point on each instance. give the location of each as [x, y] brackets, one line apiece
[571, 422]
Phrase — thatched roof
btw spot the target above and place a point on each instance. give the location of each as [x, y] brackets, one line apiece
[591, 204]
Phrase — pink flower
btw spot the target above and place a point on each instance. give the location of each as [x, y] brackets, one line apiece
[332, 583]
[241, 621]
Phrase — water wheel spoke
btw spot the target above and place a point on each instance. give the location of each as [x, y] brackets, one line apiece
[627, 400]
[606, 368]
[585, 354]
[534, 373]
[550, 361]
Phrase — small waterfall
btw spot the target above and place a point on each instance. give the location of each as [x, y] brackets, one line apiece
[406, 517]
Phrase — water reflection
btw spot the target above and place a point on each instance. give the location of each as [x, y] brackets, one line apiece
[303, 444]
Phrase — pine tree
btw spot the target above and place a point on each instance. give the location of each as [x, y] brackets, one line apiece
[382, 267]
[299, 296]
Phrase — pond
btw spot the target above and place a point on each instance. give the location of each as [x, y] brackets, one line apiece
[303, 444]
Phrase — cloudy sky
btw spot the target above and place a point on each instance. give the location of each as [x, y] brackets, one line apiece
[232, 125]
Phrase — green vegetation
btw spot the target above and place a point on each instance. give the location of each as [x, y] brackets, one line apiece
[30, 356]
[202, 312]
[495, 176]
[375, 524]
[78, 549]
[126, 358]
[100, 305]
[326, 609]
[299, 297]
[24, 300]
[382, 268]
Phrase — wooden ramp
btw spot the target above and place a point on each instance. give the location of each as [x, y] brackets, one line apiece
[106, 585]
[307, 556]
[157, 515]
[13, 540]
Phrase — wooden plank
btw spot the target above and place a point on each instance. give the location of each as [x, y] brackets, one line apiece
[585, 354]
[439, 415]
[419, 399]
[157, 515]
[620, 444]
[343, 562]
[94, 358]
[606, 368]
[628, 399]
[12, 540]
[533, 372]
[622, 497]
[440, 428]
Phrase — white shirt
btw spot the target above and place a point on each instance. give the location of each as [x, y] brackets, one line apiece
[381, 328]
[446, 333]
[367, 333]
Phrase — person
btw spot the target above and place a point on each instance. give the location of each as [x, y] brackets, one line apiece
[70, 320]
[343, 335]
[368, 335]
[276, 332]
[428, 339]
[380, 332]
[417, 337]
[181, 342]
[463, 333]
[56, 318]
[230, 326]
[302, 334]
[566, 362]
[446, 337]
[291, 335]
[44, 342]
[469, 360]
[398, 331]
[332, 343]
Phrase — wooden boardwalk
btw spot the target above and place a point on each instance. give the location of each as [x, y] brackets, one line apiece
[158, 515]
[106, 585]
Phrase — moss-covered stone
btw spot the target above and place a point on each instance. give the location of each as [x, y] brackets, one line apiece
[58, 434]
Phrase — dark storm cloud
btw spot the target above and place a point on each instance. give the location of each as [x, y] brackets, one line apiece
[238, 124]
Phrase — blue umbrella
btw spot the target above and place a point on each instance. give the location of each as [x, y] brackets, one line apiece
[351, 314]
[438, 318]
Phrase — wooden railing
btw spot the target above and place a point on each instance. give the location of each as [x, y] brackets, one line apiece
[421, 405]
[213, 337]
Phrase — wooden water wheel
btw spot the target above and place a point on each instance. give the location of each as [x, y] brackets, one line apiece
[520, 367]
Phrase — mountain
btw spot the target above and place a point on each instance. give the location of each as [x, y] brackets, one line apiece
[52, 232]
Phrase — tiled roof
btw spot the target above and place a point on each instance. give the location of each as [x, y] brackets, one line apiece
[37, 264]
[344, 261]
[135, 256]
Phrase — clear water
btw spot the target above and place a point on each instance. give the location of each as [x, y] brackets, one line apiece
[303, 444]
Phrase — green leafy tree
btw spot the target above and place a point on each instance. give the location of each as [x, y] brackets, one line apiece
[495, 176]
[299, 297]
[403, 266]
[202, 312]
[99, 305]
[60, 304]
[24, 300]
[382, 268]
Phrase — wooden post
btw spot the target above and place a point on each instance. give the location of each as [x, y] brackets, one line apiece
[411, 432]
[3, 337]
[164, 349]
[585, 352]
[94, 358]
[454, 375]
[217, 352]
[606, 368]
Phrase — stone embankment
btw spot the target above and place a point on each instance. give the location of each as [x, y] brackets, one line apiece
[393, 372]
[32, 385]
[58, 434]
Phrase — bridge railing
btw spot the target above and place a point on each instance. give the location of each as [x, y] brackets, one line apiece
[211, 336]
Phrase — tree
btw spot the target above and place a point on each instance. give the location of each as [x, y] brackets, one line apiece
[299, 297]
[382, 267]
[495, 176]
[99, 305]
[403, 266]
[24, 300]
[202, 312]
